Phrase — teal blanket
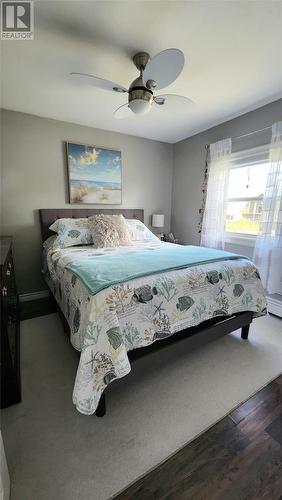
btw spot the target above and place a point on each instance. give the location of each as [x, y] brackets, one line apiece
[102, 271]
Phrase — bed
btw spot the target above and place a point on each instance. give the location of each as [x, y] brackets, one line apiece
[128, 319]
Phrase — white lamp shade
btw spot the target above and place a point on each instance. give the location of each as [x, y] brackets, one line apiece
[158, 220]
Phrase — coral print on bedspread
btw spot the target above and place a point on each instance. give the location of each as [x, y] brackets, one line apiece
[136, 313]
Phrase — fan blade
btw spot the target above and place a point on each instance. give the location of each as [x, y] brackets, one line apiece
[175, 100]
[99, 82]
[164, 68]
[123, 111]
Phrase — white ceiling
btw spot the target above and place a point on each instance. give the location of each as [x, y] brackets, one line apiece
[233, 52]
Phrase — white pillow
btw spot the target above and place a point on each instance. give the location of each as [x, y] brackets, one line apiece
[72, 232]
[109, 231]
[139, 232]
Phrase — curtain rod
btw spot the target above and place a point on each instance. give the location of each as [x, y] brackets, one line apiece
[245, 135]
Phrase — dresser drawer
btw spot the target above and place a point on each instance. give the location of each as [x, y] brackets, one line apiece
[8, 268]
[10, 339]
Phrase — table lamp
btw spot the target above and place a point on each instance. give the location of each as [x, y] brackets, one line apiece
[158, 221]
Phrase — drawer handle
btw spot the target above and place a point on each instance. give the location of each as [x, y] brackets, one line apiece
[10, 265]
[8, 272]
[4, 291]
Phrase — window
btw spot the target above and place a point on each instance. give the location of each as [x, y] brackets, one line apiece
[246, 187]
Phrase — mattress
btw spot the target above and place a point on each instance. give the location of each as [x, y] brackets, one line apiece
[104, 327]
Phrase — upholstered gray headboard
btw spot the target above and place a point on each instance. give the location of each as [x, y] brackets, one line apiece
[49, 215]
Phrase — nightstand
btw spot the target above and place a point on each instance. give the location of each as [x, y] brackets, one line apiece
[174, 242]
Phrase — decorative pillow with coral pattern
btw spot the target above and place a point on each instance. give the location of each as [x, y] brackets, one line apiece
[139, 232]
[72, 232]
[109, 231]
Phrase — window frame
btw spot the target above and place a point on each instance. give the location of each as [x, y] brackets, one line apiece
[243, 159]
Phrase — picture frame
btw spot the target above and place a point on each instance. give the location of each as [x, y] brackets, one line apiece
[94, 174]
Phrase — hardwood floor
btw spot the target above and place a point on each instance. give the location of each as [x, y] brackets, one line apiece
[239, 458]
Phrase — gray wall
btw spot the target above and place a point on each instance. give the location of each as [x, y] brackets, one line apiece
[34, 176]
[189, 165]
[1, 162]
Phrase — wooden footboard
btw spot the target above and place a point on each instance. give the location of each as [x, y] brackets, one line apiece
[195, 337]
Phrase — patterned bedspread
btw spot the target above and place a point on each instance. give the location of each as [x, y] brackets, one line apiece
[104, 327]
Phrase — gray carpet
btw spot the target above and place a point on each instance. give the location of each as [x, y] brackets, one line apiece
[55, 453]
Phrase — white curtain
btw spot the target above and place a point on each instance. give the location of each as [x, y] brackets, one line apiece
[213, 228]
[268, 247]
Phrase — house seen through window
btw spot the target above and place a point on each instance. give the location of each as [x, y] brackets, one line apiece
[247, 181]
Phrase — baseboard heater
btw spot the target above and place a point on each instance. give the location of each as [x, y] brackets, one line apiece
[274, 305]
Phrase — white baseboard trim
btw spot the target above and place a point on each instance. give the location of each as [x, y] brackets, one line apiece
[274, 306]
[25, 297]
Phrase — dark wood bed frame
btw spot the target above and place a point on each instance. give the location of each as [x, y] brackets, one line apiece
[195, 336]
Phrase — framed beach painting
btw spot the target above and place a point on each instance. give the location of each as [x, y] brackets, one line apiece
[94, 174]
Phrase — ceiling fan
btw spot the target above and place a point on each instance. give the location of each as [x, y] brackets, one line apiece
[155, 74]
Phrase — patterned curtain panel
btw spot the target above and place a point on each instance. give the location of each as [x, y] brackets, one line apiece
[204, 192]
[268, 247]
[213, 225]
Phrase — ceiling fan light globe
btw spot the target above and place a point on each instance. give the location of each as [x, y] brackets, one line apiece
[140, 106]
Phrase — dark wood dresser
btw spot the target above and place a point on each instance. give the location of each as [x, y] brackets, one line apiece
[10, 328]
